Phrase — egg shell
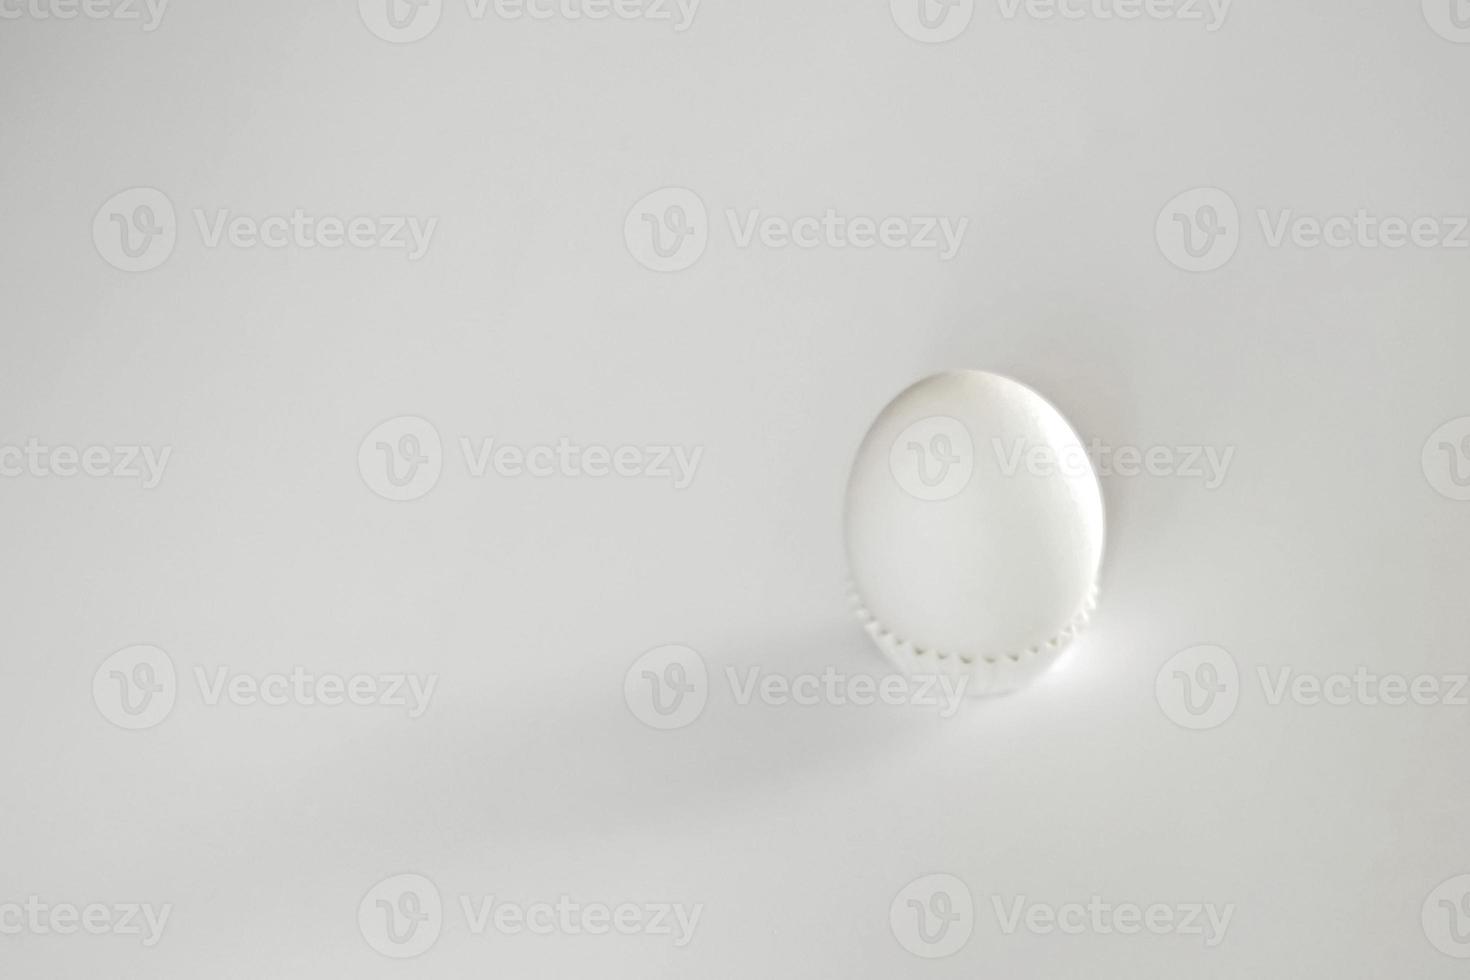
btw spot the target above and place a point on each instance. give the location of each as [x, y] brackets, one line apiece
[974, 527]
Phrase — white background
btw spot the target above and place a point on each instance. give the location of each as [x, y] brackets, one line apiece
[528, 321]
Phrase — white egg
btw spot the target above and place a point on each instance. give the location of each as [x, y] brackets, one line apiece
[974, 525]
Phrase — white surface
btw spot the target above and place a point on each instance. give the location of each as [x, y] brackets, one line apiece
[529, 320]
[973, 526]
